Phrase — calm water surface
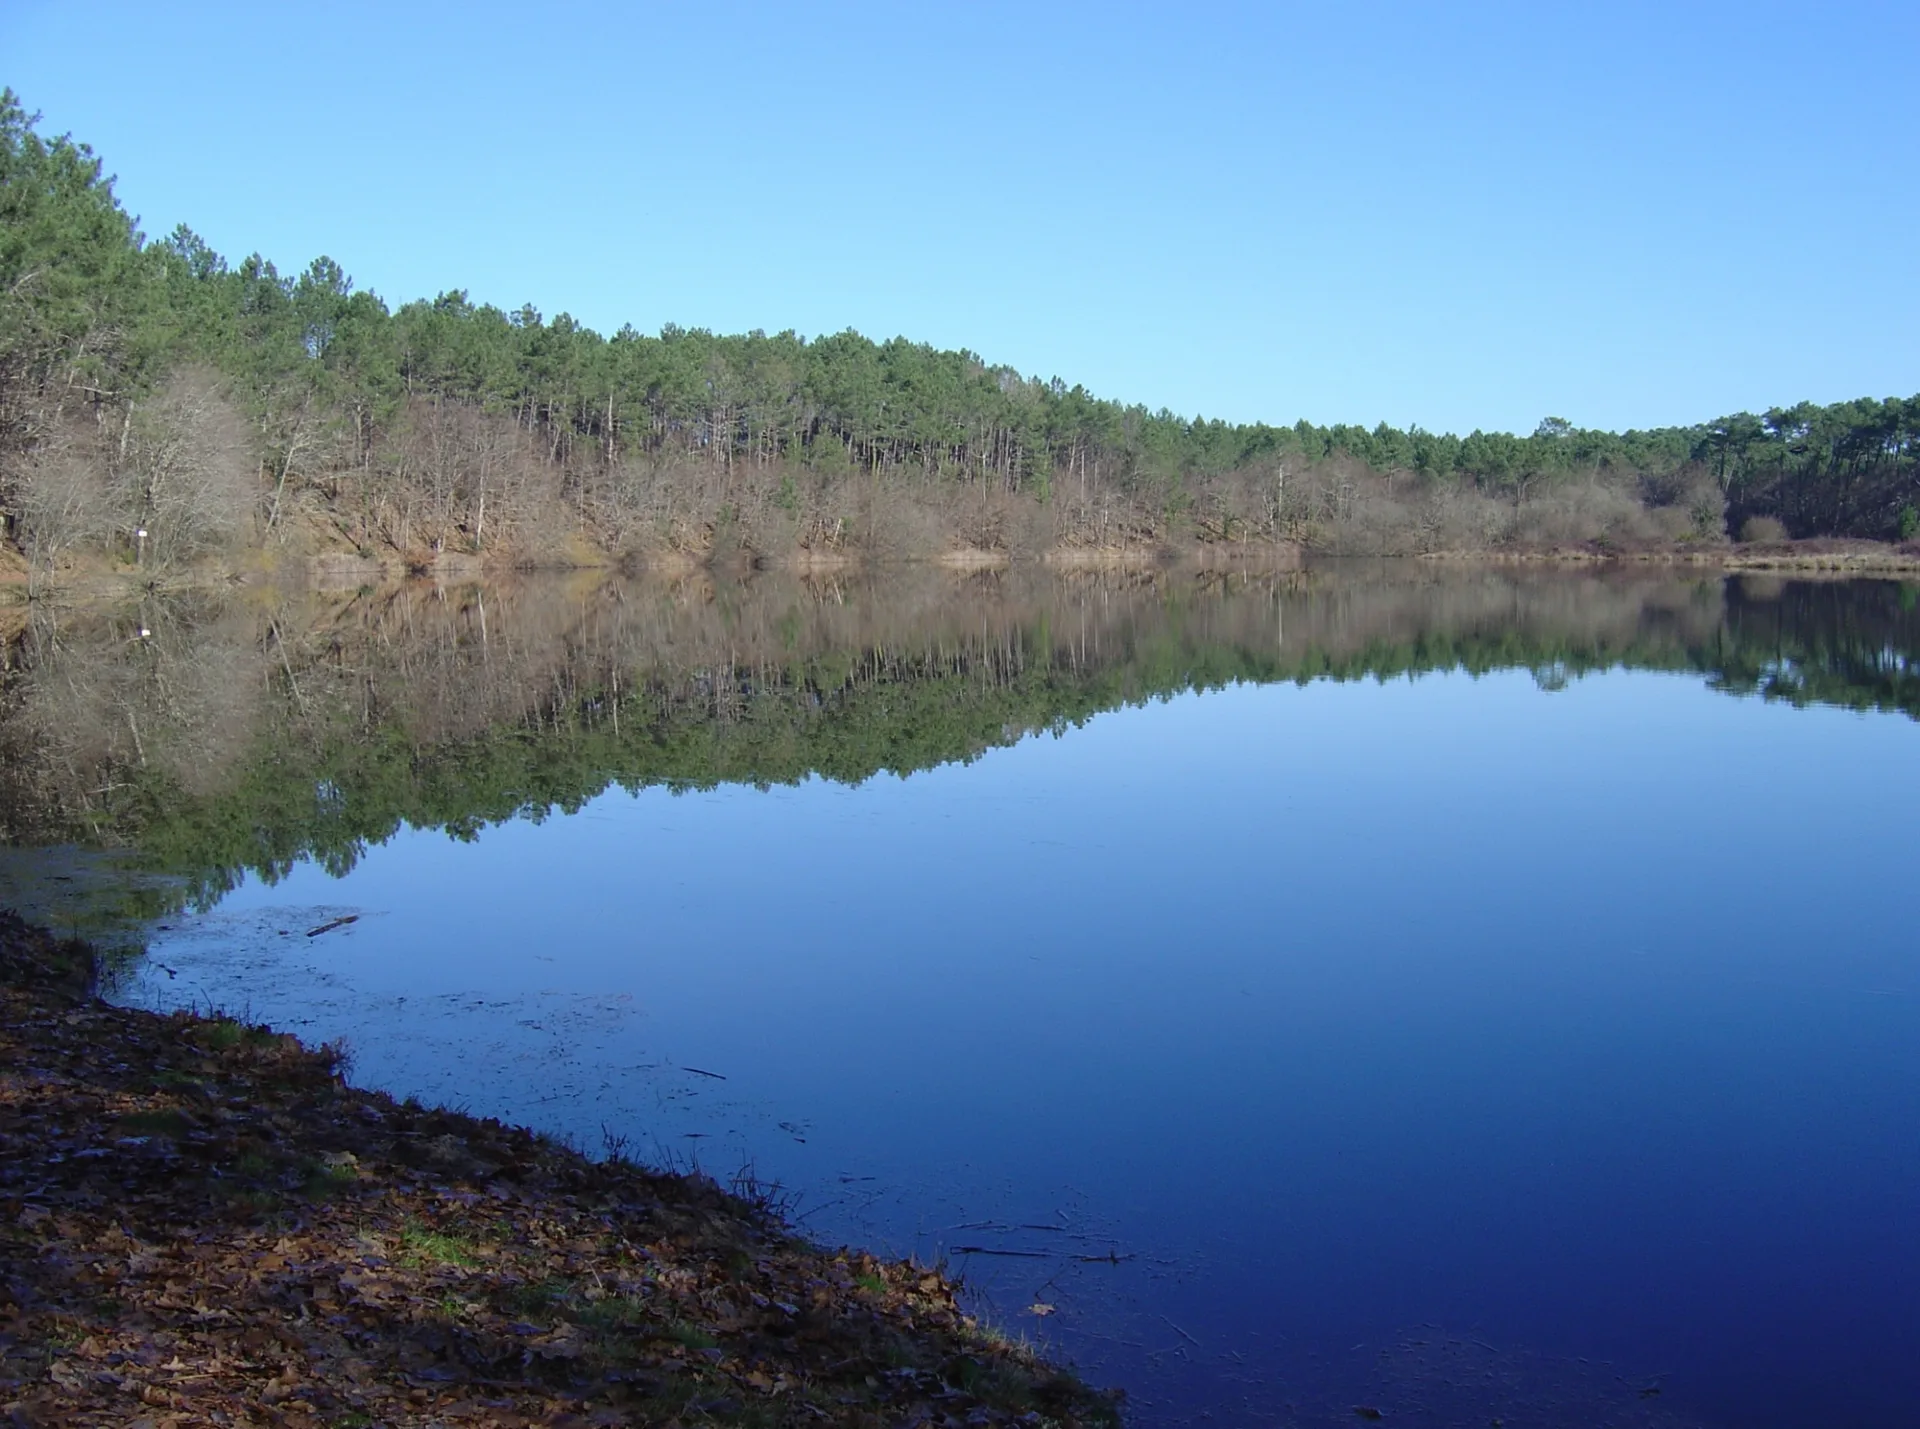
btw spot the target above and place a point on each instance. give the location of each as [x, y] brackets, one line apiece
[1519, 1042]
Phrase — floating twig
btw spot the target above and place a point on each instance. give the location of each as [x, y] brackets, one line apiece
[336, 923]
[1182, 1333]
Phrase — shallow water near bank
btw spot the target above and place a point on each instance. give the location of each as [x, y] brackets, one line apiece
[1524, 1027]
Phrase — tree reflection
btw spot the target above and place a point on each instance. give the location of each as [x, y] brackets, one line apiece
[216, 736]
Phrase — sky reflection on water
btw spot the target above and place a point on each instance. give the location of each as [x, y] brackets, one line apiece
[1582, 1026]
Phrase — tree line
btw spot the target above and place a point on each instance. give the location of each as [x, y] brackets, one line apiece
[154, 394]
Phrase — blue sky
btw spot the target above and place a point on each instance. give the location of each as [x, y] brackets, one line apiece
[1456, 215]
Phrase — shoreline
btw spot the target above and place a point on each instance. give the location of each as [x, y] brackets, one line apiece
[1815, 557]
[202, 1222]
[329, 571]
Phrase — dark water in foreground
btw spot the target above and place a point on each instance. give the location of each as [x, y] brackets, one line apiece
[1524, 1024]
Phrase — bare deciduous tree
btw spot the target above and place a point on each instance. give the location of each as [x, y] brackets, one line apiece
[62, 496]
[182, 474]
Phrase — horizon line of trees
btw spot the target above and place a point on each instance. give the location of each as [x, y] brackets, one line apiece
[237, 389]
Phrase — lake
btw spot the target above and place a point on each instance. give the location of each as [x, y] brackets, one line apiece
[1467, 994]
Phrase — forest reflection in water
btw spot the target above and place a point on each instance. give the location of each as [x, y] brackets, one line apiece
[246, 732]
[1244, 1034]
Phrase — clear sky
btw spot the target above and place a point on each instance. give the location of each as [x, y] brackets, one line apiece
[1458, 215]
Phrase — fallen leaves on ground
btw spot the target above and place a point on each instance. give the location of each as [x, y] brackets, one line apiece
[200, 1224]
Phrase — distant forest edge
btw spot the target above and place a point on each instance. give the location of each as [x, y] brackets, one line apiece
[217, 735]
[161, 406]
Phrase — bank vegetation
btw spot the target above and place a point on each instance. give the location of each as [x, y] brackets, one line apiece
[162, 408]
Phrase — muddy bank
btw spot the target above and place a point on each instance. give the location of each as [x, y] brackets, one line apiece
[1814, 557]
[92, 582]
[200, 1223]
